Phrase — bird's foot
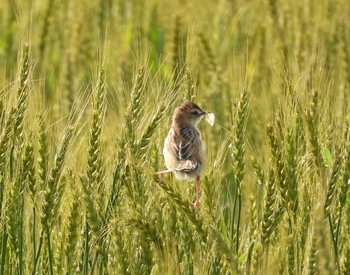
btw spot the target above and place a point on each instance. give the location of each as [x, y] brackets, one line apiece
[196, 205]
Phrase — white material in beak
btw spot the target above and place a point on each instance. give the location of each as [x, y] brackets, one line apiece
[210, 118]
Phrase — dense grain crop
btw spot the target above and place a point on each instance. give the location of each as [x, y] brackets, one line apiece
[87, 90]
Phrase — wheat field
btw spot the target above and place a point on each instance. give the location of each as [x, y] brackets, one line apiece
[87, 91]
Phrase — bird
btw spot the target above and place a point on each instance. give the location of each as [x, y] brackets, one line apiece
[183, 146]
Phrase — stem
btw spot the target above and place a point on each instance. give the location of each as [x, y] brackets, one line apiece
[113, 196]
[36, 259]
[33, 236]
[3, 251]
[20, 254]
[190, 265]
[265, 258]
[50, 251]
[86, 249]
[233, 213]
[1, 194]
[338, 226]
[334, 243]
[93, 264]
[238, 219]
[11, 160]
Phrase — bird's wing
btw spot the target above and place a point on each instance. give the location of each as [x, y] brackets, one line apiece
[184, 145]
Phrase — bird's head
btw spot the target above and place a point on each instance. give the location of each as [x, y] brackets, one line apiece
[189, 114]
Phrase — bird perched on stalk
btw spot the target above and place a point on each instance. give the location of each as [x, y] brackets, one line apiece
[183, 147]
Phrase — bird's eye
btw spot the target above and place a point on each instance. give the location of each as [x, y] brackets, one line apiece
[196, 112]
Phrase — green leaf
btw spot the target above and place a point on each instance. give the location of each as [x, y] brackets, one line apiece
[327, 157]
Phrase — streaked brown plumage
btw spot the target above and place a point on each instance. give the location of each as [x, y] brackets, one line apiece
[183, 147]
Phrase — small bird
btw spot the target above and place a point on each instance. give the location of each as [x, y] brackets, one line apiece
[183, 147]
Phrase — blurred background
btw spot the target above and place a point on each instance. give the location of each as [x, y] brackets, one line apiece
[276, 75]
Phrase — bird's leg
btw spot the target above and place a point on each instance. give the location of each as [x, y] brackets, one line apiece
[196, 203]
[161, 175]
